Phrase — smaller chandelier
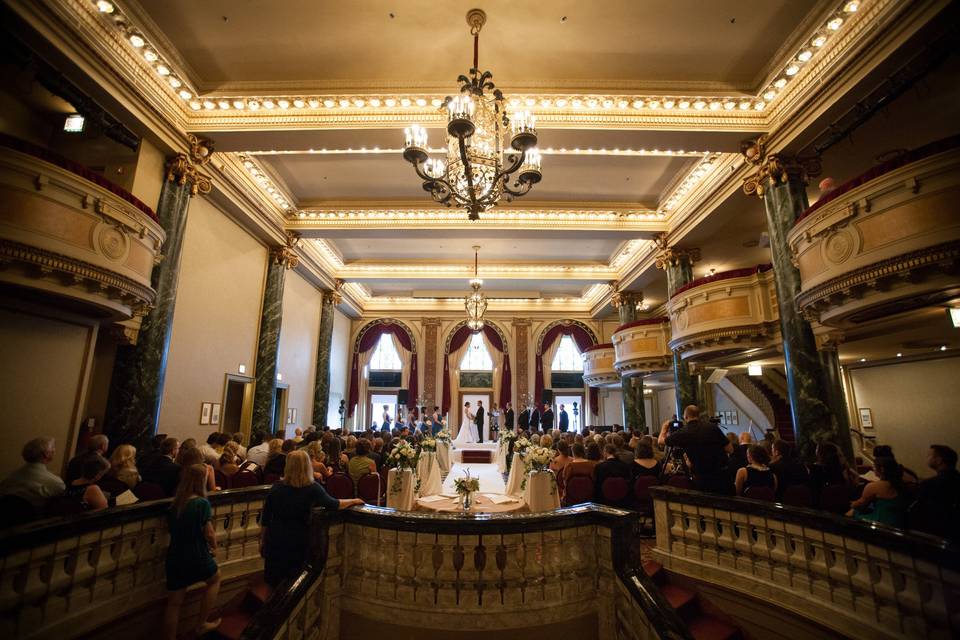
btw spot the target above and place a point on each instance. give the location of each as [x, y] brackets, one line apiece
[475, 302]
[477, 171]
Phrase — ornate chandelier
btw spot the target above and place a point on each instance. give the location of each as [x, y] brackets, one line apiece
[475, 303]
[477, 171]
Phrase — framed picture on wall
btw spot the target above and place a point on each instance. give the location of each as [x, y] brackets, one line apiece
[215, 413]
[294, 421]
[723, 417]
[866, 418]
[289, 416]
[206, 408]
[736, 417]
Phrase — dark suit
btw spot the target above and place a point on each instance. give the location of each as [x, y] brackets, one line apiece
[524, 420]
[546, 420]
[564, 420]
[478, 420]
[534, 419]
[508, 419]
[611, 468]
[704, 444]
[164, 472]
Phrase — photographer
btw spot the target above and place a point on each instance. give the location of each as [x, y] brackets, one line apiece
[705, 447]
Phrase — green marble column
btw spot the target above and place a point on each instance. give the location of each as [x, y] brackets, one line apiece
[321, 386]
[685, 384]
[268, 343]
[833, 383]
[136, 387]
[634, 411]
[783, 188]
[678, 267]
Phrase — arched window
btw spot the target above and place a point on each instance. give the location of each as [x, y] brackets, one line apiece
[385, 356]
[477, 358]
[567, 357]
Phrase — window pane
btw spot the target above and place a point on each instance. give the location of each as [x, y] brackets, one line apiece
[385, 356]
[477, 358]
[567, 357]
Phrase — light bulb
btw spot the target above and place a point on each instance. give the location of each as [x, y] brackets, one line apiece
[137, 40]
[104, 7]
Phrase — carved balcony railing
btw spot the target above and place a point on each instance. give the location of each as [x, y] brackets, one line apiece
[68, 577]
[642, 346]
[598, 369]
[455, 573]
[884, 243]
[65, 230]
[860, 579]
[728, 311]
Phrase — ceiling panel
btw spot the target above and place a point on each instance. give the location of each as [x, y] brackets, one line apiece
[493, 288]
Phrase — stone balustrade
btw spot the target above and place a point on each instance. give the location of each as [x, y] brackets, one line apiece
[858, 579]
[731, 310]
[887, 245]
[66, 577]
[642, 346]
[598, 369]
[65, 234]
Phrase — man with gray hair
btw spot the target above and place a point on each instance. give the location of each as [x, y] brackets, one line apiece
[96, 446]
[33, 481]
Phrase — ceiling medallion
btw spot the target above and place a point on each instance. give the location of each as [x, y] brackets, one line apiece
[477, 171]
[476, 302]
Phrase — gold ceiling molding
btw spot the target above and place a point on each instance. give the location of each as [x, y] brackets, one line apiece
[548, 151]
[639, 220]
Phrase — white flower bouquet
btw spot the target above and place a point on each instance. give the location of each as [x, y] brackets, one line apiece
[428, 444]
[442, 436]
[538, 458]
[508, 436]
[521, 445]
[402, 456]
[465, 488]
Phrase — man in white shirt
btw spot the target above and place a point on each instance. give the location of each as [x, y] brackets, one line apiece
[259, 453]
[33, 481]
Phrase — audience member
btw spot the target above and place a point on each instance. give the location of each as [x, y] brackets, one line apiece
[194, 456]
[624, 454]
[285, 524]
[186, 445]
[937, 510]
[229, 462]
[260, 453]
[298, 435]
[33, 481]
[336, 460]
[96, 447]
[594, 452]
[831, 468]
[705, 447]
[317, 456]
[241, 450]
[361, 464]
[611, 467]
[164, 471]
[211, 454]
[190, 553]
[645, 462]
[84, 489]
[910, 478]
[276, 458]
[123, 465]
[146, 456]
[883, 500]
[785, 465]
[756, 473]
[738, 459]
[561, 459]
[376, 454]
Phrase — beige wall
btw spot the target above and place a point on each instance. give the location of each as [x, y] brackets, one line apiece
[216, 319]
[914, 405]
[46, 362]
[150, 174]
[339, 368]
[297, 355]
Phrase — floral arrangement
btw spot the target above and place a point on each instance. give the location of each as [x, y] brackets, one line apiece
[402, 456]
[442, 436]
[508, 436]
[428, 444]
[537, 460]
[466, 484]
[520, 445]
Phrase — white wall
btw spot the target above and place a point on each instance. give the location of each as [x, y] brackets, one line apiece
[914, 405]
[611, 401]
[666, 405]
[339, 367]
[297, 352]
[216, 320]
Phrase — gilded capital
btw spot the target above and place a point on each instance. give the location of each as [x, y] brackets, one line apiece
[673, 256]
[829, 341]
[185, 168]
[626, 298]
[774, 168]
[335, 297]
[286, 255]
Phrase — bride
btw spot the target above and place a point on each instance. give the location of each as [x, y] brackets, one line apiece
[468, 430]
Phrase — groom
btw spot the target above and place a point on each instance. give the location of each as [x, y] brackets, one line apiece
[478, 420]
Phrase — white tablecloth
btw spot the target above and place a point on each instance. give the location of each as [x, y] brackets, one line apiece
[541, 493]
[443, 456]
[515, 479]
[502, 456]
[401, 500]
[428, 473]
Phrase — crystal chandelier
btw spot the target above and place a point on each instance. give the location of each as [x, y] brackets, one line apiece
[475, 303]
[477, 171]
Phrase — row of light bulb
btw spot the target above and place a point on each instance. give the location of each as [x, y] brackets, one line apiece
[266, 184]
[692, 178]
[498, 215]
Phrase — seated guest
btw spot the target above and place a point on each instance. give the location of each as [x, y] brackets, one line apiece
[163, 470]
[361, 464]
[738, 459]
[241, 450]
[259, 453]
[831, 468]
[611, 467]
[623, 453]
[645, 462]
[194, 456]
[149, 454]
[33, 481]
[123, 465]
[285, 524]
[883, 500]
[211, 450]
[561, 459]
[351, 448]
[377, 453]
[96, 447]
[785, 465]
[937, 510]
[84, 489]
[756, 473]
[910, 478]
[579, 465]
[186, 445]
[276, 458]
[594, 453]
[298, 435]
[336, 459]
[317, 457]
[229, 463]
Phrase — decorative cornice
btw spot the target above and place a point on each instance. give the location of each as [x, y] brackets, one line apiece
[762, 331]
[185, 168]
[286, 255]
[672, 256]
[774, 168]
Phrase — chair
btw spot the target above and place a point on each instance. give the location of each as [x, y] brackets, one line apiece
[16, 510]
[340, 486]
[835, 498]
[760, 493]
[641, 492]
[368, 488]
[614, 491]
[149, 491]
[244, 478]
[797, 495]
[680, 481]
[578, 489]
[222, 479]
[112, 486]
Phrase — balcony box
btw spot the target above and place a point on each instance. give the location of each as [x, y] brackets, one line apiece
[641, 346]
[598, 369]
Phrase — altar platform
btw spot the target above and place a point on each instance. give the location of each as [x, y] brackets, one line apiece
[475, 452]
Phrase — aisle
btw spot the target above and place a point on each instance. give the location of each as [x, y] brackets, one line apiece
[490, 479]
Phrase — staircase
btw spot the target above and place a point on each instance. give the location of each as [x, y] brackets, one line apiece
[686, 602]
[238, 613]
[772, 386]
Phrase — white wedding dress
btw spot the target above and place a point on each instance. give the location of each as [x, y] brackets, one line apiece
[468, 430]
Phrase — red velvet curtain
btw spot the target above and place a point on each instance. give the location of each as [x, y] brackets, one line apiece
[459, 338]
[583, 341]
[369, 341]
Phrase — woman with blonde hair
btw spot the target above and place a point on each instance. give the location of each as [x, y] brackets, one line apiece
[320, 471]
[285, 523]
[190, 552]
[123, 465]
[195, 456]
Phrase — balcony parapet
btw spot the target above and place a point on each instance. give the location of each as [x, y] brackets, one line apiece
[67, 231]
[731, 310]
[598, 369]
[888, 242]
[641, 346]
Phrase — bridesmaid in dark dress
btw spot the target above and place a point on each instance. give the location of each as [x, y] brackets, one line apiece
[285, 523]
[190, 554]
